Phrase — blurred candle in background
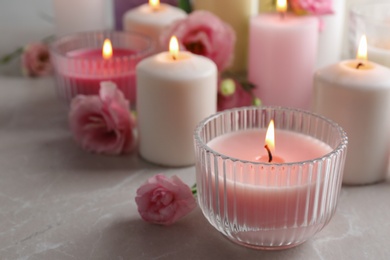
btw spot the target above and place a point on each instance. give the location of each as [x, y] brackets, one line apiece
[331, 36]
[266, 6]
[151, 19]
[373, 20]
[122, 6]
[282, 56]
[75, 16]
[236, 13]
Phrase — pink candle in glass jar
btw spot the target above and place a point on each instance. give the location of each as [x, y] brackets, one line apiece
[265, 198]
[81, 62]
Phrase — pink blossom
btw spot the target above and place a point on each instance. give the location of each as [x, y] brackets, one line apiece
[204, 34]
[103, 124]
[162, 200]
[36, 60]
[315, 7]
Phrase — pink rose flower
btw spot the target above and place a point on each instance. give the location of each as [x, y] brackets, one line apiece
[204, 34]
[36, 60]
[162, 200]
[103, 124]
[316, 7]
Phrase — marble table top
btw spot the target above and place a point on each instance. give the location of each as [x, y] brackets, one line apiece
[60, 202]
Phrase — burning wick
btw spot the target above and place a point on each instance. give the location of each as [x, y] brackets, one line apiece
[174, 47]
[269, 153]
[362, 52]
[281, 7]
[359, 65]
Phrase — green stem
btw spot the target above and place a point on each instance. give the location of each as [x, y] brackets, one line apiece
[7, 58]
[194, 190]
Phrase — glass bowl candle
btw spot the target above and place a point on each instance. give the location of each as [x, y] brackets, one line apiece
[81, 62]
[262, 204]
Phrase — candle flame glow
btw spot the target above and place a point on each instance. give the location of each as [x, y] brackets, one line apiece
[281, 6]
[174, 47]
[270, 136]
[107, 49]
[154, 4]
[362, 50]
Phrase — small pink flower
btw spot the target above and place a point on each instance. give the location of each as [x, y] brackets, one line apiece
[315, 7]
[162, 200]
[36, 60]
[204, 34]
[103, 124]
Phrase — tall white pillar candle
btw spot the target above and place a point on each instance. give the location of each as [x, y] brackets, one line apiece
[75, 16]
[358, 98]
[236, 13]
[174, 93]
[152, 20]
[282, 56]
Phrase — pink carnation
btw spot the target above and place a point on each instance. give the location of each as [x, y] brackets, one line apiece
[36, 60]
[204, 34]
[316, 7]
[103, 124]
[162, 200]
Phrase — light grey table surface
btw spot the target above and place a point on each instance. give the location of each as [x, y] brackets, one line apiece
[59, 202]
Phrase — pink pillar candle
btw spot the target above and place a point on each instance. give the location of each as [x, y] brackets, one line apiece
[282, 56]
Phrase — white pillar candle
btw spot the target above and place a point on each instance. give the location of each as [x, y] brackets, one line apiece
[282, 55]
[331, 36]
[237, 14]
[358, 98]
[151, 19]
[174, 93]
[75, 15]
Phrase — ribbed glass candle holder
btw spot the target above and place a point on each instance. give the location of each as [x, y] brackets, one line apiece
[80, 66]
[269, 205]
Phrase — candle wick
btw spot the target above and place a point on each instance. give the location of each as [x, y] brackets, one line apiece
[174, 57]
[360, 64]
[269, 153]
[282, 15]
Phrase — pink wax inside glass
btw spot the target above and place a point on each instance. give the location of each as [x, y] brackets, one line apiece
[88, 68]
[97, 53]
[248, 145]
[271, 202]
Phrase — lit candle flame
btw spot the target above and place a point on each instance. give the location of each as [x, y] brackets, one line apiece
[362, 50]
[281, 6]
[174, 47]
[270, 136]
[154, 4]
[107, 49]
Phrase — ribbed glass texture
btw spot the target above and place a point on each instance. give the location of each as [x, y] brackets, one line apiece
[80, 67]
[262, 205]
